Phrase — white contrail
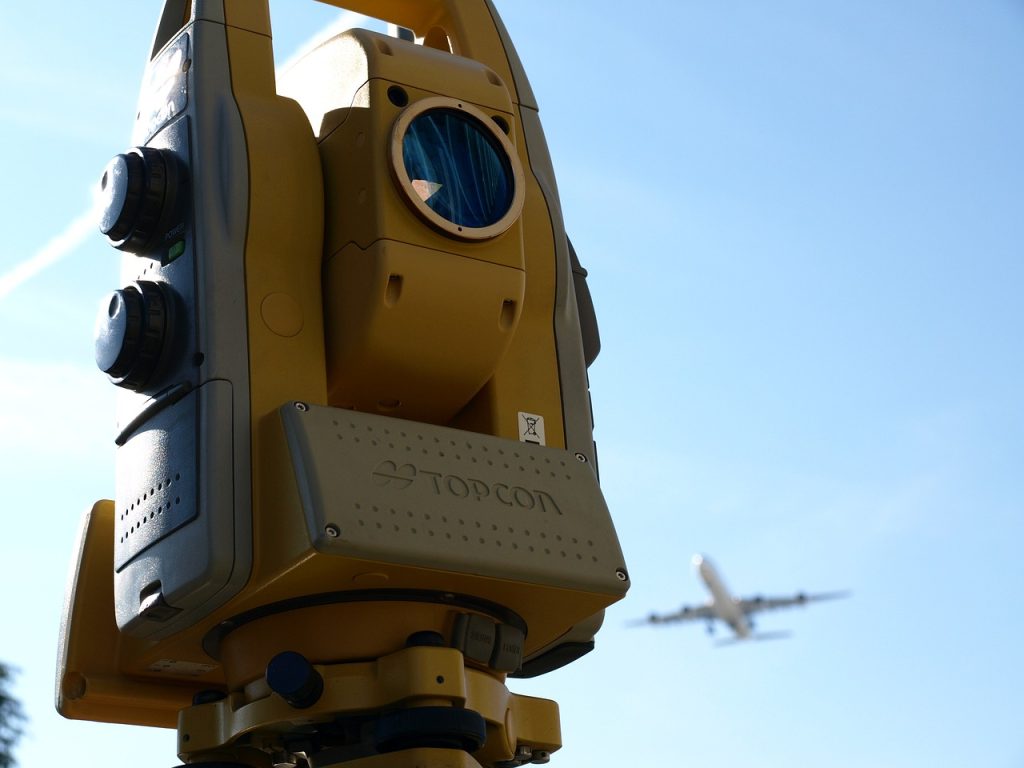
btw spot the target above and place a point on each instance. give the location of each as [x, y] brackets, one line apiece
[76, 233]
[85, 226]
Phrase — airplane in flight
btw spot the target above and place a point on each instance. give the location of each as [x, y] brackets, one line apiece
[736, 612]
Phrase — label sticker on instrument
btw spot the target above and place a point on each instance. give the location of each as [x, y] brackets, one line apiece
[182, 668]
[531, 428]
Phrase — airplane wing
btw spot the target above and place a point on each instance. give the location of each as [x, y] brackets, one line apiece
[686, 613]
[757, 604]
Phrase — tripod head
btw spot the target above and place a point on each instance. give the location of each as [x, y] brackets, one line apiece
[356, 479]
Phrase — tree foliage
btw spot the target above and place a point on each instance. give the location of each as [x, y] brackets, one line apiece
[11, 719]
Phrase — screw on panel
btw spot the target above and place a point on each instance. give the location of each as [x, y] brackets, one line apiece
[621, 575]
[301, 407]
[332, 530]
[581, 458]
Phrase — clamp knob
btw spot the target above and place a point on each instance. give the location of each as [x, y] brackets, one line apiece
[294, 679]
[131, 329]
[136, 190]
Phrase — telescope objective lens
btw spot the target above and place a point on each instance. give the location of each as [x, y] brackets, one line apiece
[458, 168]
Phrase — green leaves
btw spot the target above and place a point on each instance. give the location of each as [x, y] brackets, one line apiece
[11, 718]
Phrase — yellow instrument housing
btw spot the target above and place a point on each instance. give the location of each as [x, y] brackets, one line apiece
[379, 342]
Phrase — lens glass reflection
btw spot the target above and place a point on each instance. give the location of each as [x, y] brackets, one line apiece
[458, 168]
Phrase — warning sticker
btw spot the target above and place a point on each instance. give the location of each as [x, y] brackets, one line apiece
[531, 428]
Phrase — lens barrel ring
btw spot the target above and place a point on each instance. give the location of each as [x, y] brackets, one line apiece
[486, 127]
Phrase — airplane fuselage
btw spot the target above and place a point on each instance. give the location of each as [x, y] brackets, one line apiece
[723, 604]
[734, 611]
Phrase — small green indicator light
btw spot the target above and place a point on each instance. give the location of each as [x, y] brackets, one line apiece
[175, 251]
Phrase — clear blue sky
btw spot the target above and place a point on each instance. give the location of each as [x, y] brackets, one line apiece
[804, 226]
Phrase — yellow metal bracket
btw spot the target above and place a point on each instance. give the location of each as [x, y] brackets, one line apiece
[413, 677]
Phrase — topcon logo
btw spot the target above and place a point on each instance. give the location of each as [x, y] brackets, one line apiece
[399, 477]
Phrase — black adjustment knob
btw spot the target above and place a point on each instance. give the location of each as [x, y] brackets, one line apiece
[426, 638]
[294, 679]
[131, 330]
[136, 190]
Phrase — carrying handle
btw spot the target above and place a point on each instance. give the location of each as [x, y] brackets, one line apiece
[473, 27]
[421, 16]
[417, 15]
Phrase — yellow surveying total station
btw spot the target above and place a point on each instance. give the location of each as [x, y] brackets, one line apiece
[356, 483]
